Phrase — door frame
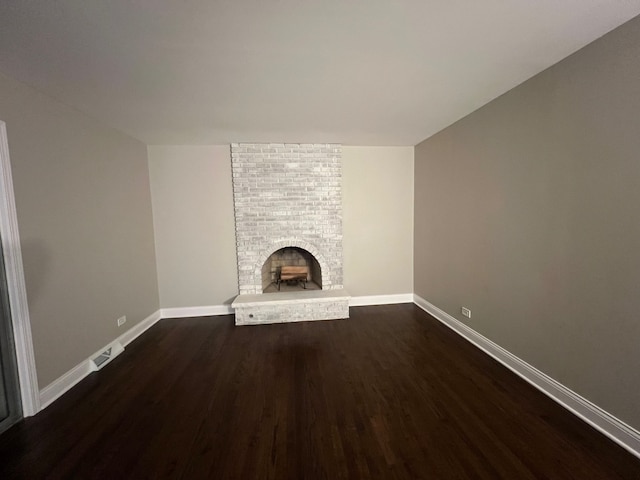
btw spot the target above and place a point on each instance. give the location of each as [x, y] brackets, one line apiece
[17, 291]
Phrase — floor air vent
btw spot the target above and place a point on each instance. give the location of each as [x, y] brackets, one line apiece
[101, 359]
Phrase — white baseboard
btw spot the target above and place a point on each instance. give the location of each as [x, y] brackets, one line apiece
[63, 384]
[380, 299]
[134, 332]
[205, 311]
[66, 382]
[618, 431]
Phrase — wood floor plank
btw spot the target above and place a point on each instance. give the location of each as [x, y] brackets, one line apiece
[389, 393]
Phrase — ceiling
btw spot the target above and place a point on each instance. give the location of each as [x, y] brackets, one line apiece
[357, 72]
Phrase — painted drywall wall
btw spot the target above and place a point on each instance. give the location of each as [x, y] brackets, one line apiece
[526, 212]
[377, 197]
[194, 225]
[195, 232]
[84, 214]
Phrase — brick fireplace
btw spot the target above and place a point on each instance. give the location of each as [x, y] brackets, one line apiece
[288, 196]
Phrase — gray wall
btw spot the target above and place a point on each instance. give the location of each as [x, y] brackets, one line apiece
[194, 225]
[527, 211]
[377, 193]
[84, 213]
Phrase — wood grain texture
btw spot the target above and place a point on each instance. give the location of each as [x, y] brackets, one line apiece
[389, 393]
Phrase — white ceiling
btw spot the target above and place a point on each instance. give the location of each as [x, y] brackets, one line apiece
[358, 72]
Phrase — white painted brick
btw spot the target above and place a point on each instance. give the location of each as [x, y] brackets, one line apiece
[287, 195]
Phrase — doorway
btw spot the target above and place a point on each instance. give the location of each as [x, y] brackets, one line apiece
[16, 346]
[10, 406]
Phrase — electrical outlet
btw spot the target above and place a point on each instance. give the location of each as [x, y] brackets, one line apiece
[466, 312]
[122, 321]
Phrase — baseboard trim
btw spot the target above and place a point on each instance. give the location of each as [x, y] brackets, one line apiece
[205, 311]
[66, 382]
[618, 431]
[366, 300]
[134, 332]
[63, 384]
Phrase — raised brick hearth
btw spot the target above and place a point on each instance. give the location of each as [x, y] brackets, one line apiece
[288, 195]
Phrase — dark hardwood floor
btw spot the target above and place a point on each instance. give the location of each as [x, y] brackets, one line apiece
[389, 393]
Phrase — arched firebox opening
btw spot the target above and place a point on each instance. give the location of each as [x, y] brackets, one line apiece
[291, 269]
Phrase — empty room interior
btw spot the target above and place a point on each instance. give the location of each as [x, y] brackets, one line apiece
[320, 239]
